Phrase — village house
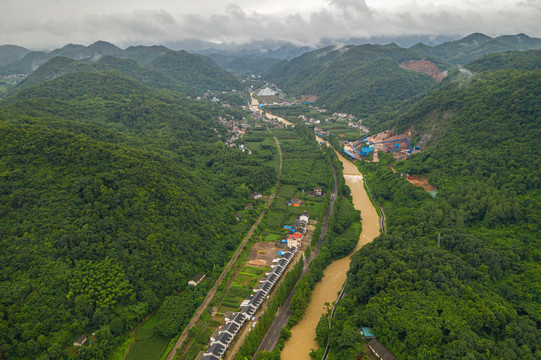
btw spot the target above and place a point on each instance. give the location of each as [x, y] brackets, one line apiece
[380, 350]
[81, 339]
[294, 240]
[301, 222]
[197, 279]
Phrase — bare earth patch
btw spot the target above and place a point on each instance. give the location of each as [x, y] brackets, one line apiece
[425, 66]
[421, 182]
[262, 253]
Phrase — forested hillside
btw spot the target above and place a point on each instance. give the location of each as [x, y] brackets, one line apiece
[11, 53]
[510, 60]
[457, 277]
[361, 80]
[59, 66]
[155, 66]
[474, 46]
[195, 70]
[112, 194]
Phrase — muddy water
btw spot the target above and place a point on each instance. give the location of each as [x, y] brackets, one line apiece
[303, 334]
[255, 106]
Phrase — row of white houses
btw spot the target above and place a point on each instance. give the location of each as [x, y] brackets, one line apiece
[225, 337]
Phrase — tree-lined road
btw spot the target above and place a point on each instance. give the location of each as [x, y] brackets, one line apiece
[282, 316]
[212, 291]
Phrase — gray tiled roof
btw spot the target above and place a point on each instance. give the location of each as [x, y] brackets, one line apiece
[224, 337]
[216, 349]
[232, 327]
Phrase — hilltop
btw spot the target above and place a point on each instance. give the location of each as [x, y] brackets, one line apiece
[361, 80]
[474, 46]
[154, 65]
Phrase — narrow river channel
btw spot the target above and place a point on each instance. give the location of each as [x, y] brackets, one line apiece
[303, 334]
[255, 107]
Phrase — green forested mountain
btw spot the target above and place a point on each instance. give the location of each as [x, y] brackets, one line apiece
[463, 51]
[358, 79]
[28, 63]
[58, 66]
[244, 63]
[144, 54]
[184, 72]
[54, 68]
[195, 70]
[180, 70]
[112, 194]
[457, 277]
[32, 60]
[510, 60]
[11, 53]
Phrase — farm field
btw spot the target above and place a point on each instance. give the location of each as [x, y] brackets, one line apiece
[242, 286]
[148, 345]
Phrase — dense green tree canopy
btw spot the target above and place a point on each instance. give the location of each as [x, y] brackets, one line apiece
[112, 195]
[457, 276]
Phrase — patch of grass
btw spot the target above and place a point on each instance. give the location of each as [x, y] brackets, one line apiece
[120, 351]
[148, 345]
[253, 270]
[224, 308]
[276, 219]
[149, 349]
[253, 145]
[273, 237]
[287, 191]
[193, 351]
[244, 280]
[318, 209]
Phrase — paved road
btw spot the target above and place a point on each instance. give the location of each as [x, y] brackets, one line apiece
[282, 316]
[212, 291]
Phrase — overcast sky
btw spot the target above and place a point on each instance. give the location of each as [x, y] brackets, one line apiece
[42, 24]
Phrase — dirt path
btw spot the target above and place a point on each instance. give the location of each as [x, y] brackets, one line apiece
[212, 291]
[326, 291]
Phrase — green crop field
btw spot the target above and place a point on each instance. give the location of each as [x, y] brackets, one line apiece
[287, 191]
[242, 286]
[148, 344]
[253, 145]
[253, 270]
[276, 219]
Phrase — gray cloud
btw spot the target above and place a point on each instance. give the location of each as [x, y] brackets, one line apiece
[335, 19]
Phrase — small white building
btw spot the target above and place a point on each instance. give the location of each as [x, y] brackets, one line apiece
[294, 243]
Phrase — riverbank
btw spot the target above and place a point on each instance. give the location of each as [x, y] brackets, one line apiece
[303, 334]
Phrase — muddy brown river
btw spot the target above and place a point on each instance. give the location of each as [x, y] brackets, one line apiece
[303, 334]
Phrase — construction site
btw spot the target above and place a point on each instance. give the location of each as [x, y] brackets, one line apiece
[398, 145]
